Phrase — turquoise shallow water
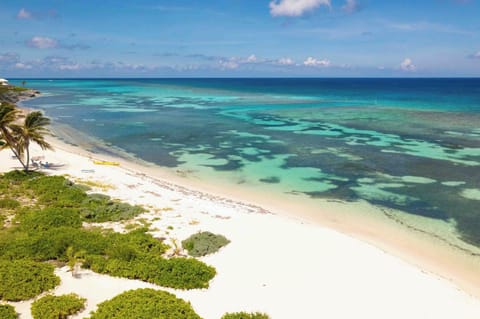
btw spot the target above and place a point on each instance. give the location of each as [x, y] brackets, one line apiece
[408, 144]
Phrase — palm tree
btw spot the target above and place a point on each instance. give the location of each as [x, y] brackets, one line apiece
[17, 136]
[34, 129]
[9, 114]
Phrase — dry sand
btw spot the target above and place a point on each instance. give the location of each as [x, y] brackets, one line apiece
[281, 265]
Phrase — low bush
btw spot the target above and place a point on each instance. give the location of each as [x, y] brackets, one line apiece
[135, 255]
[24, 279]
[102, 210]
[56, 191]
[140, 241]
[145, 303]
[7, 312]
[20, 176]
[40, 220]
[50, 244]
[57, 307]
[55, 232]
[179, 273]
[59, 192]
[245, 315]
[3, 218]
[204, 243]
[8, 203]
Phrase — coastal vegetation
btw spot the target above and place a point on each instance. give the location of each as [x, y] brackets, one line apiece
[57, 307]
[45, 223]
[204, 243]
[7, 312]
[145, 303]
[25, 279]
[49, 227]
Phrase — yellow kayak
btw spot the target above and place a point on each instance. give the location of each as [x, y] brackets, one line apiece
[106, 163]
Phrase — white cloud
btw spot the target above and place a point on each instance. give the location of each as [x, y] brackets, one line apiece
[22, 66]
[295, 8]
[426, 26]
[69, 67]
[285, 61]
[351, 6]
[9, 57]
[407, 65]
[24, 14]
[475, 55]
[314, 62]
[42, 43]
[252, 58]
[229, 64]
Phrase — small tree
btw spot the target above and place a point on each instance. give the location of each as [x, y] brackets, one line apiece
[75, 259]
[18, 137]
[34, 129]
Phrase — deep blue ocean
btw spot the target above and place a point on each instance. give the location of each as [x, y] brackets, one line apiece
[406, 144]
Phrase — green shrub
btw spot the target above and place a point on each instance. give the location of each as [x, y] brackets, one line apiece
[245, 315]
[49, 218]
[179, 273]
[56, 191]
[3, 218]
[50, 244]
[7, 312]
[24, 279]
[141, 241]
[57, 307]
[59, 192]
[20, 176]
[9, 203]
[100, 208]
[135, 255]
[55, 233]
[204, 243]
[145, 303]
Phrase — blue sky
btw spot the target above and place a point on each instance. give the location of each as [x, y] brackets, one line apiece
[146, 38]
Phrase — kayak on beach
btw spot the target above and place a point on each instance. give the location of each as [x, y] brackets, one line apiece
[106, 163]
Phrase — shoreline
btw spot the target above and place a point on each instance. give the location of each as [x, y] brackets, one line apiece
[369, 223]
[329, 239]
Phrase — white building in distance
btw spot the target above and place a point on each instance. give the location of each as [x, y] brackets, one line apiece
[3, 82]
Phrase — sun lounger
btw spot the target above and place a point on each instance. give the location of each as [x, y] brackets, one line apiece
[51, 165]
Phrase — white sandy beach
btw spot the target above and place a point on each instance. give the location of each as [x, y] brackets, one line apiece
[280, 265]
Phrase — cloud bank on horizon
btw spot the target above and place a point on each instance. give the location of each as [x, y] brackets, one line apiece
[149, 38]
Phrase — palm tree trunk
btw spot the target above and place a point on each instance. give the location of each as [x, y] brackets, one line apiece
[11, 144]
[27, 147]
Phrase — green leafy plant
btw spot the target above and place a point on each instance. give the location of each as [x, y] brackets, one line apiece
[180, 273]
[9, 203]
[57, 307]
[75, 259]
[25, 279]
[55, 232]
[204, 243]
[145, 303]
[40, 220]
[7, 312]
[245, 315]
